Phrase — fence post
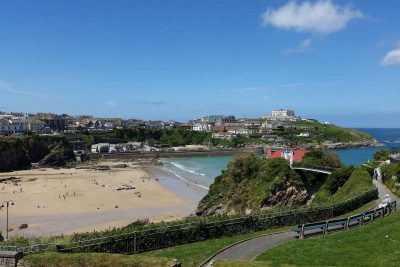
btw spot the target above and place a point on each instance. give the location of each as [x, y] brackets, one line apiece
[134, 243]
[326, 228]
[302, 232]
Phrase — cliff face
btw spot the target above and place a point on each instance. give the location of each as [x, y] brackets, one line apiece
[13, 155]
[19, 153]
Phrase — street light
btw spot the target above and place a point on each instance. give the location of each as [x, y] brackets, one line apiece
[7, 204]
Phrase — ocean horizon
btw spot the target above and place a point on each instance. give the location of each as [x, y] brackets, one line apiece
[202, 171]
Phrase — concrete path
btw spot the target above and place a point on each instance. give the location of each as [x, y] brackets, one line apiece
[383, 190]
[247, 250]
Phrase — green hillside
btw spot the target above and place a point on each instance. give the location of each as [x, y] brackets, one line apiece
[251, 184]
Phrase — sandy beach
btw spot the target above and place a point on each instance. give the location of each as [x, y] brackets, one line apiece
[62, 201]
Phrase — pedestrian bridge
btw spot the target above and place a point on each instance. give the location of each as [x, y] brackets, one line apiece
[325, 170]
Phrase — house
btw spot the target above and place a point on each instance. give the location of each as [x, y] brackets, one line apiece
[202, 127]
[155, 124]
[15, 126]
[295, 155]
[55, 122]
[241, 131]
[224, 135]
[100, 148]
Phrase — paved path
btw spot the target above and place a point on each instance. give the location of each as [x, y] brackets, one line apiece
[383, 190]
[247, 250]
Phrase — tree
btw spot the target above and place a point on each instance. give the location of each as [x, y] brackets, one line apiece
[381, 155]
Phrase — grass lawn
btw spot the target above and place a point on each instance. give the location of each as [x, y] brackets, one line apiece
[94, 259]
[376, 244]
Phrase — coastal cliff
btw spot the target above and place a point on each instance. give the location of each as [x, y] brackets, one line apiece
[252, 184]
[47, 151]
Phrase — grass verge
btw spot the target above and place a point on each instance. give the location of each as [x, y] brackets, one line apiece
[376, 244]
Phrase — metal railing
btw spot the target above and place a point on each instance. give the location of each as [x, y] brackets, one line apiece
[336, 225]
[203, 229]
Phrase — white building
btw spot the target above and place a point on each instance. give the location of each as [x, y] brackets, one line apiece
[100, 148]
[17, 126]
[283, 113]
[202, 127]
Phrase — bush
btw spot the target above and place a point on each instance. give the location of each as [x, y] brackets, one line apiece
[381, 155]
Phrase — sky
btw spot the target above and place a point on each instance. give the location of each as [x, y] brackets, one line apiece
[336, 61]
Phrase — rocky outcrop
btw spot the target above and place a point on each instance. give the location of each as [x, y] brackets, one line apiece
[287, 193]
[20, 153]
[57, 157]
[13, 155]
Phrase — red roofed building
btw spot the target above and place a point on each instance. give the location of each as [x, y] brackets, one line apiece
[294, 155]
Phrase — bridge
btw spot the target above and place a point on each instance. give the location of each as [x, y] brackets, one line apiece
[312, 170]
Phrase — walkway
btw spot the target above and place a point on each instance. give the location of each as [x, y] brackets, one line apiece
[249, 249]
[383, 190]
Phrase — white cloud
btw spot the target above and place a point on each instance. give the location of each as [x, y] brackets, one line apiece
[392, 58]
[111, 103]
[8, 88]
[304, 46]
[321, 17]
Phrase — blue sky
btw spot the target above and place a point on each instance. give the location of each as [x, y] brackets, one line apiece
[337, 61]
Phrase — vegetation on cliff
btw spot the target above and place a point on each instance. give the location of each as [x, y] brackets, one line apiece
[251, 184]
[19, 153]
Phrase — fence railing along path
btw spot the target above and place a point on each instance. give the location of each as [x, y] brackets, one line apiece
[203, 229]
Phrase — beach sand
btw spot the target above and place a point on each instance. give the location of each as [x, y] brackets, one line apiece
[62, 201]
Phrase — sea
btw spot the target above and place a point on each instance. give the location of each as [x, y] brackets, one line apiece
[201, 171]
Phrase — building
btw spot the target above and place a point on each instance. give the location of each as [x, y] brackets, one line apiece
[295, 155]
[13, 126]
[202, 127]
[212, 118]
[224, 135]
[283, 113]
[55, 122]
[38, 126]
[155, 124]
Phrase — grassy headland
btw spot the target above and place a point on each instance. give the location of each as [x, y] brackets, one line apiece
[251, 184]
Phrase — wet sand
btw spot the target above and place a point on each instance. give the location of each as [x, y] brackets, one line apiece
[64, 201]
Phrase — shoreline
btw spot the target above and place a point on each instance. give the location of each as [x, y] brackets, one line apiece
[165, 197]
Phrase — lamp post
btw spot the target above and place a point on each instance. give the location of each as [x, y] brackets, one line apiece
[7, 204]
